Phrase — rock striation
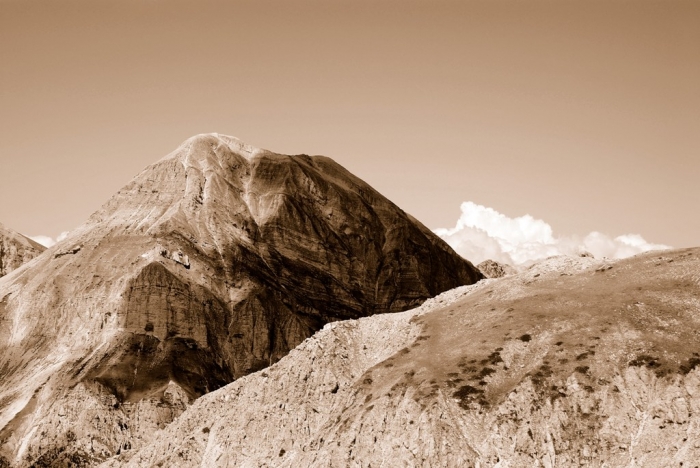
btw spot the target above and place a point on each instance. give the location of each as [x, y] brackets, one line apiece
[564, 364]
[16, 250]
[211, 264]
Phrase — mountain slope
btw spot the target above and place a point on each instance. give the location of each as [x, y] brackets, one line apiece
[571, 362]
[211, 264]
[16, 250]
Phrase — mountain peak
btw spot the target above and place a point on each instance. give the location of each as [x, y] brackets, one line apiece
[212, 263]
[200, 146]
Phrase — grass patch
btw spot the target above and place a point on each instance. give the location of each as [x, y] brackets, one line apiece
[645, 360]
[689, 365]
[468, 394]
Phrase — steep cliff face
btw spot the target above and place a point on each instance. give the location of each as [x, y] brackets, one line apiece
[211, 264]
[16, 250]
[574, 362]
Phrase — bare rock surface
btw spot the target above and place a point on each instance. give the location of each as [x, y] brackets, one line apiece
[209, 265]
[564, 364]
[16, 250]
[494, 269]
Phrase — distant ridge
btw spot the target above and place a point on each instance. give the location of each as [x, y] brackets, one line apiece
[16, 250]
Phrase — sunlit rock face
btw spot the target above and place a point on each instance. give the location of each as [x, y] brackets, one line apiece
[209, 265]
[493, 269]
[16, 250]
[572, 362]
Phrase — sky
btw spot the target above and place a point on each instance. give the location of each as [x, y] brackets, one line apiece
[583, 115]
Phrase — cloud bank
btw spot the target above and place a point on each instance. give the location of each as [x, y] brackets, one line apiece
[483, 233]
[47, 241]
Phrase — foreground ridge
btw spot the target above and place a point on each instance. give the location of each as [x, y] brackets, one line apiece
[572, 362]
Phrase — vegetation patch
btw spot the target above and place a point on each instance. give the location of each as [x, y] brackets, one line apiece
[468, 394]
[555, 392]
[645, 360]
[495, 357]
[544, 372]
[689, 365]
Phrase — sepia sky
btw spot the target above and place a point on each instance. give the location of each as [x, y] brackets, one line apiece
[585, 114]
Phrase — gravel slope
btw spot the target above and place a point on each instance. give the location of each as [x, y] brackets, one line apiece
[573, 362]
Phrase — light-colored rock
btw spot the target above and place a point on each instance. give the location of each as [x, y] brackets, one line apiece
[547, 370]
[16, 250]
[493, 269]
[209, 265]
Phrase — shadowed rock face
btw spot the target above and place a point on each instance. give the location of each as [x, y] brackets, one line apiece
[211, 264]
[16, 250]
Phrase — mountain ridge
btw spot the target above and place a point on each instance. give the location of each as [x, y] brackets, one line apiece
[210, 264]
[575, 361]
[16, 249]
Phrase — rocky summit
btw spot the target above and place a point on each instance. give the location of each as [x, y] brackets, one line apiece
[16, 250]
[211, 264]
[572, 362]
[493, 269]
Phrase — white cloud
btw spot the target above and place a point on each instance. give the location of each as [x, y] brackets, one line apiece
[483, 233]
[47, 241]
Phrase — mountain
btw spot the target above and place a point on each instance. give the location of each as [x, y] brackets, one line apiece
[16, 250]
[573, 362]
[209, 265]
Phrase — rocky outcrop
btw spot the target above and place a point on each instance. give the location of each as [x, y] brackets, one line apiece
[493, 269]
[16, 250]
[211, 264]
[563, 364]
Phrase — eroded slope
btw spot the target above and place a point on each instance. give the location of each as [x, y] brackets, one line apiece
[572, 362]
